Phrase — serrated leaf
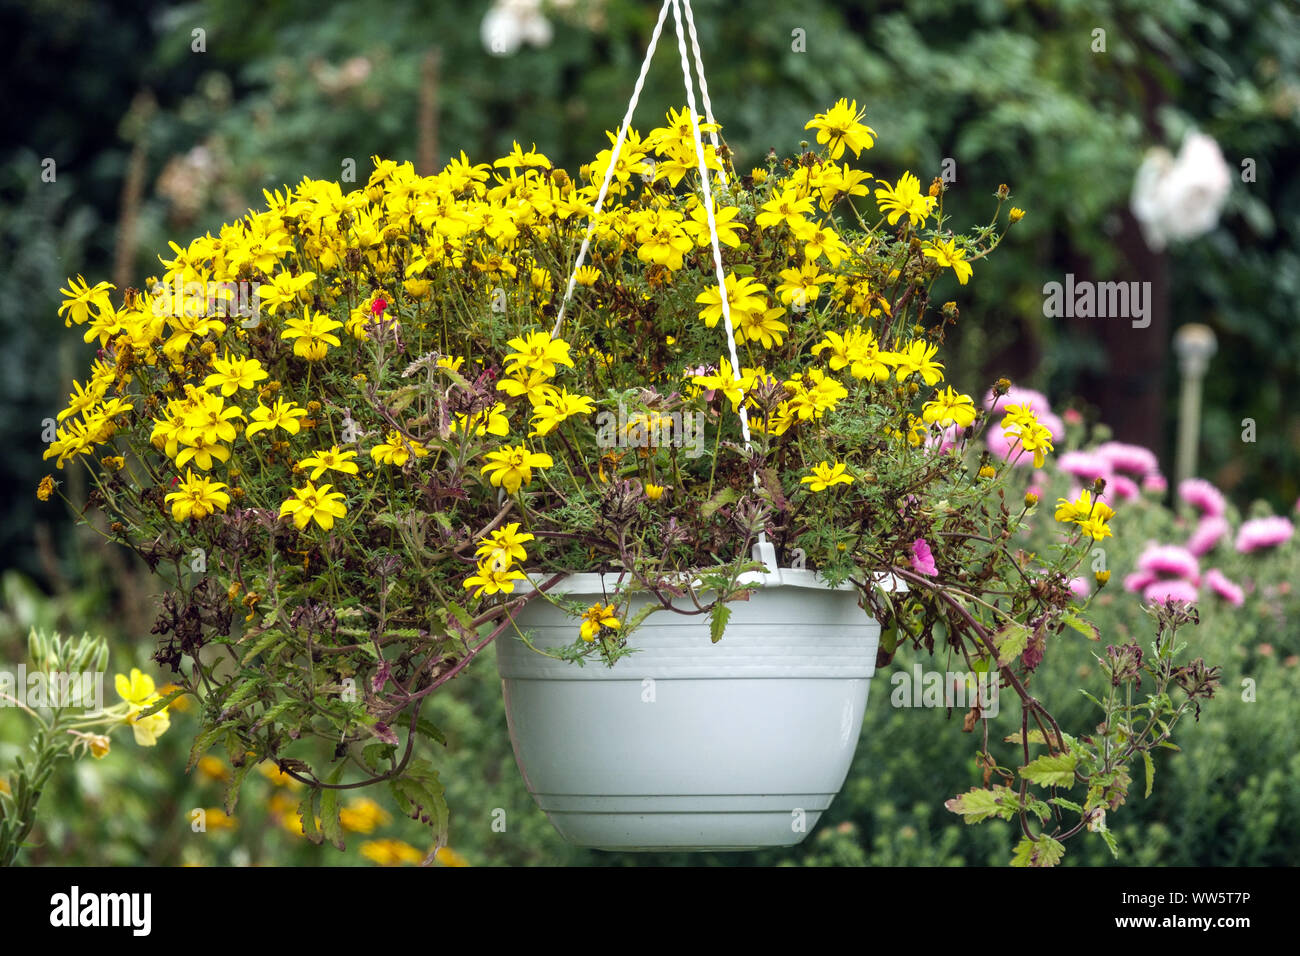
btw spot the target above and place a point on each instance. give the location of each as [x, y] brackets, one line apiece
[1041, 852]
[1011, 641]
[234, 786]
[330, 824]
[1085, 627]
[1035, 737]
[1110, 842]
[724, 497]
[424, 726]
[979, 804]
[1051, 771]
[307, 811]
[718, 618]
[1067, 804]
[1151, 772]
[264, 642]
[401, 398]
[160, 704]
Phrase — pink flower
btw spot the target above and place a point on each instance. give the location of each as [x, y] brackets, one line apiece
[1261, 533]
[1133, 460]
[1085, 466]
[1017, 396]
[1155, 483]
[1162, 591]
[1209, 532]
[1217, 582]
[1139, 581]
[1073, 416]
[923, 559]
[1079, 587]
[1124, 488]
[1203, 496]
[1170, 561]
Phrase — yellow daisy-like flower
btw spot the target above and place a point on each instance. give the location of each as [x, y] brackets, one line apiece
[397, 450]
[841, 126]
[587, 276]
[904, 199]
[537, 351]
[80, 297]
[312, 335]
[330, 459]
[310, 503]
[197, 498]
[511, 467]
[597, 617]
[138, 689]
[825, 475]
[946, 253]
[232, 374]
[917, 358]
[283, 415]
[490, 578]
[560, 407]
[949, 408]
[504, 546]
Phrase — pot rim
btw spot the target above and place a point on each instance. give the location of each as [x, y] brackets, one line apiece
[599, 582]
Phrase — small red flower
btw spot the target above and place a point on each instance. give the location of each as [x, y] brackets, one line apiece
[377, 307]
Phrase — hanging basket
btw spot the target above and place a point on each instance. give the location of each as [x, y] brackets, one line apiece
[686, 744]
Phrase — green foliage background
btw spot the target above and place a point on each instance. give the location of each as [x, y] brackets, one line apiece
[1008, 88]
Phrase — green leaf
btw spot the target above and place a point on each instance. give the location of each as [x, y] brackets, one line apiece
[329, 812]
[1011, 642]
[1067, 804]
[160, 704]
[265, 642]
[1110, 842]
[236, 783]
[718, 618]
[1085, 627]
[1151, 771]
[307, 809]
[979, 804]
[1051, 771]
[1041, 852]
[724, 497]
[424, 726]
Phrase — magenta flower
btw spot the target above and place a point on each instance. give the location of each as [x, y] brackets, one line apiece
[1139, 581]
[1202, 496]
[1085, 466]
[1161, 591]
[923, 558]
[1133, 460]
[1170, 561]
[1156, 484]
[1218, 582]
[1124, 487]
[1260, 533]
[1209, 532]
[1079, 587]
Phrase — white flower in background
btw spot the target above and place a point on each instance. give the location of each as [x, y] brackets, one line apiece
[512, 23]
[1179, 198]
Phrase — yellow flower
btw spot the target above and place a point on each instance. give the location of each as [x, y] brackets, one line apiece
[857, 349]
[138, 689]
[283, 415]
[311, 503]
[234, 374]
[99, 745]
[1015, 216]
[587, 276]
[284, 289]
[331, 459]
[949, 408]
[743, 295]
[559, 407]
[825, 475]
[45, 488]
[490, 578]
[312, 334]
[510, 467]
[801, 286]
[504, 546]
[397, 450]
[595, 618]
[363, 815]
[449, 857]
[390, 852]
[788, 208]
[81, 296]
[841, 126]
[654, 492]
[213, 769]
[905, 199]
[917, 358]
[947, 254]
[537, 352]
[197, 498]
[531, 384]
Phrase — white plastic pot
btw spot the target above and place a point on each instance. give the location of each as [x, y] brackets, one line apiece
[686, 744]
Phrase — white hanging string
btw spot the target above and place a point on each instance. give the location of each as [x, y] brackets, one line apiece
[609, 170]
[763, 551]
[704, 87]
